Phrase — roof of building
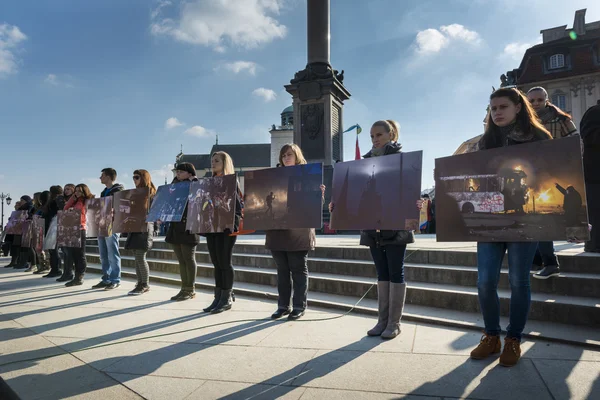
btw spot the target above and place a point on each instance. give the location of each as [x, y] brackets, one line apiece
[288, 109]
[243, 155]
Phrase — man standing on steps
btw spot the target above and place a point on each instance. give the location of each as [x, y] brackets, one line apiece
[110, 258]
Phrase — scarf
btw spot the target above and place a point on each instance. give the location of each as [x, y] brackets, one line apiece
[513, 133]
[546, 115]
[377, 152]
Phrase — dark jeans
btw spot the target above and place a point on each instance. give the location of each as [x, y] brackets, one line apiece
[489, 262]
[220, 248]
[78, 256]
[292, 269]
[68, 262]
[544, 255]
[55, 261]
[186, 255]
[389, 262]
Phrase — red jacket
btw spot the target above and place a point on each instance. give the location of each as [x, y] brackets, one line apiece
[78, 204]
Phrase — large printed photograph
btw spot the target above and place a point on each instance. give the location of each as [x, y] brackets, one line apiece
[27, 234]
[16, 222]
[99, 217]
[131, 208]
[169, 202]
[530, 192]
[38, 232]
[69, 228]
[211, 206]
[377, 193]
[284, 198]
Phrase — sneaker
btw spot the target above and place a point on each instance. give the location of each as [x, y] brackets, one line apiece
[548, 272]
[512, 352]
[100, 285]
[280, 313]
[295, 314]
[112, 286]
[42, 269]
[535, 267]
[74, 282]
[488, 345]
[32, 269]
[186, 295]
[138, 290]
[53, 274]
[65, 279]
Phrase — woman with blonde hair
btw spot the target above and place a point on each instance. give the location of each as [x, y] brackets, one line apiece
[141, 242]
[220, 245]
[289, 249]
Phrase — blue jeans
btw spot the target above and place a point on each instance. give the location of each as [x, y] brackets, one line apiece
[389, 262]
[110, 258]
[489, 262]
[545, 255]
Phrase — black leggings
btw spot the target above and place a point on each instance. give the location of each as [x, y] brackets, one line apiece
[78, 256]
[220, 248]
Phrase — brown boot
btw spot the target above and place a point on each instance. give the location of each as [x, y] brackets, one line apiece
[383, 308]
[512, 352]
[487, 346]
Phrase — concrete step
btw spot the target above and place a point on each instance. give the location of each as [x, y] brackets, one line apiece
[563, 333]
[568, 284]
[458, 255]
[544, 307]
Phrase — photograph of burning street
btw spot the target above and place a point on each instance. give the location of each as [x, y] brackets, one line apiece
[529, 192]
[68, 232]
[212, 204]
[284, 198]
[15, 223]
[169, 202]
[131, 208]
[377, 193]
[99, 217]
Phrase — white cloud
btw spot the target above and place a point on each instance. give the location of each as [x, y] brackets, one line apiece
[199, 131]
[516, 50]
[10, 39]
[159, 175]
[173, 123]
[431, 40]
[266, 94]
[51, 79]
[243, 23]
[239, 66]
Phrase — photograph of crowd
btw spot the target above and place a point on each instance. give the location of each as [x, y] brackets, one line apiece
[99, 217]
[212, 204]
[27, 233]
[69, 228]
[15, 222]
[38, 232]
[531, 192]
[377, 193]
[284, 198]
[131, 208]
[169, 202]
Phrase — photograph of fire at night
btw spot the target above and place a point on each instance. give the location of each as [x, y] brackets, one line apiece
[530, 192]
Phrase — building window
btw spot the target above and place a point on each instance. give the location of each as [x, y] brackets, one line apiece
[560, 100]
[557, 61]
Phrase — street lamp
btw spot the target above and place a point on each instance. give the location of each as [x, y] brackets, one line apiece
[8, 200]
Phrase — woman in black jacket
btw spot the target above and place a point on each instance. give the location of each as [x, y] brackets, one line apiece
[183, 242]
[387, 247]
[220, 245]
[141, 242]
[55, 204]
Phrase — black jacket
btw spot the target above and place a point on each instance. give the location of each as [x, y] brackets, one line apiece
[373, 238]
[177, 234]
[117, 187]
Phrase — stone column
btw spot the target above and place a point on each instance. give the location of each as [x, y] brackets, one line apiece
[318, 31]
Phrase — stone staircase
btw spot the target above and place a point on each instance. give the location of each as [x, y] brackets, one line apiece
[441, 285]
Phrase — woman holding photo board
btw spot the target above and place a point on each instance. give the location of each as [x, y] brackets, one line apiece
[511, 121]
[77, 201]
[290, 251]
[220, 245]
[141, 242]
[388, 248]
[183, 242]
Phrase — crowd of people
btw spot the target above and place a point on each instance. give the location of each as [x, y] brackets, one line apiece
[514, 118]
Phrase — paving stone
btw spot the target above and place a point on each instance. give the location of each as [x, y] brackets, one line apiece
[571, 379]
[159, 387]
[234, 391]
[330, 394]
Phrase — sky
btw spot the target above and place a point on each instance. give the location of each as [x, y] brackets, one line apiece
[86, 85]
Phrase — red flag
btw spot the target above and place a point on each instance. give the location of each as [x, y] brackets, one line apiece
[357, 151]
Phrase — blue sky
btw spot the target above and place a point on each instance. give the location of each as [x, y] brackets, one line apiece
[90, 84]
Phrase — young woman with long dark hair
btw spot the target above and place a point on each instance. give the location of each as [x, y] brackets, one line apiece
[77, 201]
[511, 121]
[68, 264]
[220, 245]
[141, 242]
[289, 249]
[183, 242]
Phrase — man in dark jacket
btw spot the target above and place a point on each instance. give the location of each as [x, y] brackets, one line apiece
[590, 134]
[110, 257]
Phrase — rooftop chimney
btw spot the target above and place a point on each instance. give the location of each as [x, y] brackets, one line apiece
[579, 22]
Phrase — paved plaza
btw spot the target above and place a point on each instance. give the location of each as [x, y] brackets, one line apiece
[80, 343]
